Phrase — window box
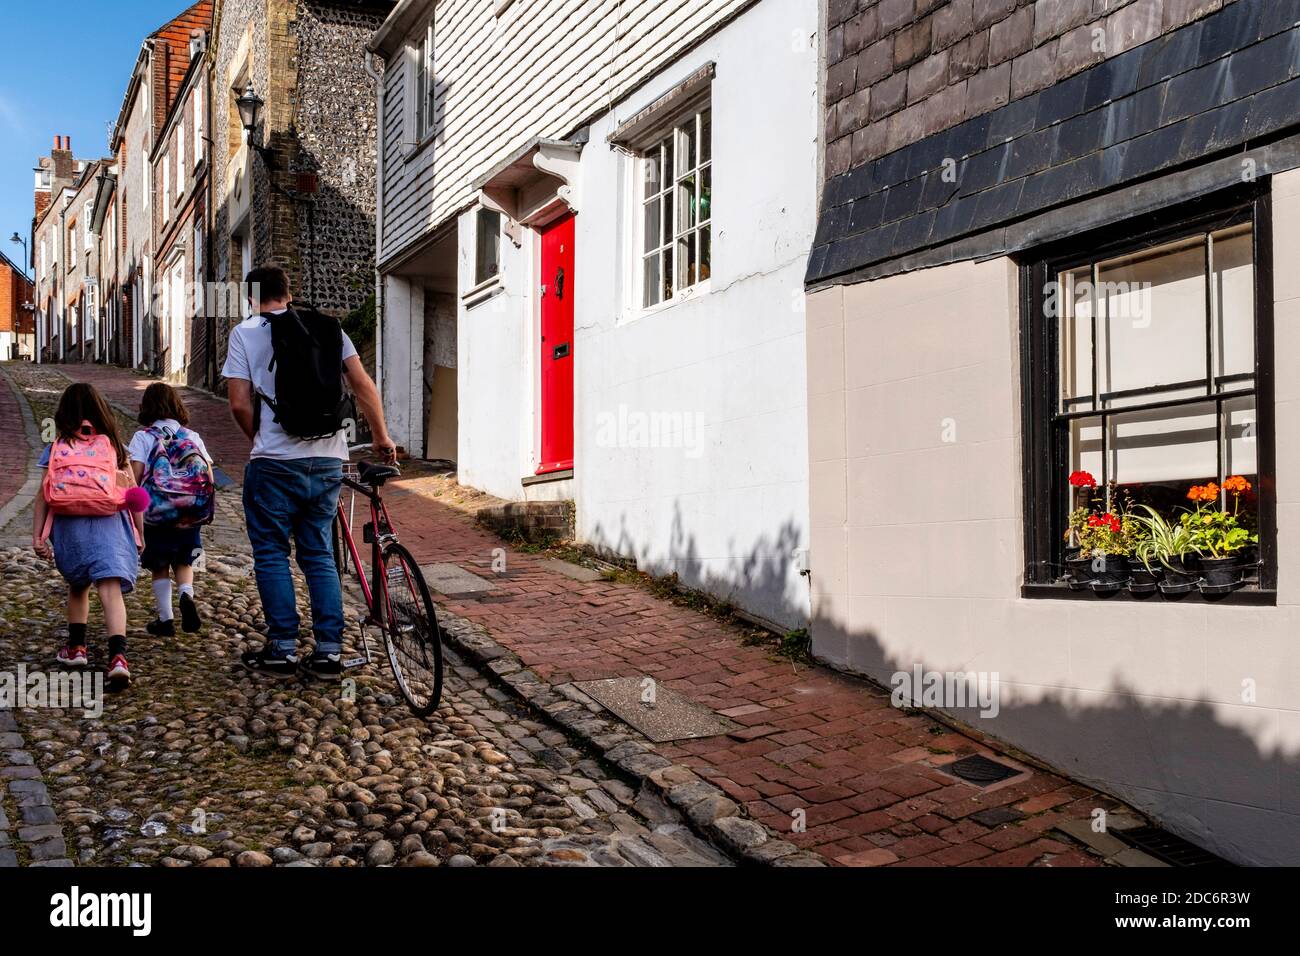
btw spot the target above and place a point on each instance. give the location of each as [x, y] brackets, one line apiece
[1147, 361]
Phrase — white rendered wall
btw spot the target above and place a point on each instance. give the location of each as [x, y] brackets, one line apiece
[917, 557]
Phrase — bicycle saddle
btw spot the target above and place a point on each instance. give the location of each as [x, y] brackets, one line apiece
[374, 474]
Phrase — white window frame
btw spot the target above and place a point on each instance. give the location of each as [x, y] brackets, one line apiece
[421, 86]
[679, 235]
[86, 216]
[166, 208]
[72, 247]
[198, 125]
[180, 158]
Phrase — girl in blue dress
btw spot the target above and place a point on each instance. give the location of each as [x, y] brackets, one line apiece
[91, 551]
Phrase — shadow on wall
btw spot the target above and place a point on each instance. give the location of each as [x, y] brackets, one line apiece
[1177, 761]
[761, 579]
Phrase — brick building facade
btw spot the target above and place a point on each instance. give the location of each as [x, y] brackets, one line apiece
[17, 321]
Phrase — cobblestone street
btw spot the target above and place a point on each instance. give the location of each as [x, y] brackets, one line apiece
[199, 763]
[817, 768]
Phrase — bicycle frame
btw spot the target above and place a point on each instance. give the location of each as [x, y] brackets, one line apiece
[381, 533]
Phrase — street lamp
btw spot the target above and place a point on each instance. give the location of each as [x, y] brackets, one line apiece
[250, 105]
[21, 240]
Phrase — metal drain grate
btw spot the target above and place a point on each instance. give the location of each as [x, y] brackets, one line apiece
[1167, 848]
[980, 769]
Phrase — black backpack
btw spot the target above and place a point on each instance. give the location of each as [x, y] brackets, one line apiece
[307, 359]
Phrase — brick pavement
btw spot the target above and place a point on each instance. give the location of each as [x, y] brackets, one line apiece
[816, 747]
[13, 464]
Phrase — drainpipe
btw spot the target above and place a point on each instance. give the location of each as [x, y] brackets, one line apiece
[379, 221]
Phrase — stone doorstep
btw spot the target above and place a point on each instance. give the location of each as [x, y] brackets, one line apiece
[708, 811]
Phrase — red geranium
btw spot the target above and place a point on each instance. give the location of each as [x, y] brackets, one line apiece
[1108, 521]
[1082, 479]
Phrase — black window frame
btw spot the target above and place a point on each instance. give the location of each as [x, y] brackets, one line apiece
[1046, 448]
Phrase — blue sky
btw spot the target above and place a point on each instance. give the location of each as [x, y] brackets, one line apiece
[65, 71]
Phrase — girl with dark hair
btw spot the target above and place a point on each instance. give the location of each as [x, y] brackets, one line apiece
[172, 464]
[83, 512]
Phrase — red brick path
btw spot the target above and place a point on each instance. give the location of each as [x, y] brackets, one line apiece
[14, 461]
[864, 774]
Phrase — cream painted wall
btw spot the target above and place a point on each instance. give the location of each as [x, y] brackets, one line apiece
[917, 559]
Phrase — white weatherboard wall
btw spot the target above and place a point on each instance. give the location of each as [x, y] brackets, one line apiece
[726, 507]
[917, 560]
[508, 73]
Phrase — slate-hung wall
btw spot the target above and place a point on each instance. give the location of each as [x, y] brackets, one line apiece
[1211, 85]
[898, 70]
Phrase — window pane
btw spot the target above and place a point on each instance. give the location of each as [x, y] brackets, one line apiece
[706, 255]
[650, 283]
[686, 146]
[1157, 455]
[706, 193]
[686, 204]
[486, 263]
[653, 216]
[1074, 298]
[686, 260]
[1240, 448]
[1152, 320]
[706, 136]
[1234, 303]
[650, 169]
[1085, 446]
[668, 273]
[668, 163]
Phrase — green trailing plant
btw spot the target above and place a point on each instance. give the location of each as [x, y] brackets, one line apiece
[1162, 539]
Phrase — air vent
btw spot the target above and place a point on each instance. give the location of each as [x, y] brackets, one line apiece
[980, 770]
[1167, 848]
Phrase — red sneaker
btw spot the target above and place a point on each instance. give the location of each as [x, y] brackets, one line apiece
[71, 656]
[118, 669]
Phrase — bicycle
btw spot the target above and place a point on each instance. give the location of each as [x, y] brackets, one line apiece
[396, 595]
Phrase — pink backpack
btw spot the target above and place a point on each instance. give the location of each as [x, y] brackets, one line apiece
[83, 479]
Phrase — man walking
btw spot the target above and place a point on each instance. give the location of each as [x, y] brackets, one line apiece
[294, 474]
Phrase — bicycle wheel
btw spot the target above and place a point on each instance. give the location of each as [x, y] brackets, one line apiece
[411, 634]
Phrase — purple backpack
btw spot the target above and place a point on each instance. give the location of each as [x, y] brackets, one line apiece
[179, 481]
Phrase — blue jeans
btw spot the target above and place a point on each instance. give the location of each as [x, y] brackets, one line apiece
[299, 497]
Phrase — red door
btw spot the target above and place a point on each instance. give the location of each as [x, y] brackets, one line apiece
[556, 411]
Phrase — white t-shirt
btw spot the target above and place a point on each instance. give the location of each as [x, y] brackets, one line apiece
[247, 357]
[144, 442]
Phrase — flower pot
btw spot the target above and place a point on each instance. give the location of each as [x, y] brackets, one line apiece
[1220, 575]
[1078, 572]
[1141, 580]
[1180, 575]
[1110, 573]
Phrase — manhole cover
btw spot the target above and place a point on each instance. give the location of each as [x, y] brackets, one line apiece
[666, 715]
[980, 770]
[1167, 848]
[453, 581]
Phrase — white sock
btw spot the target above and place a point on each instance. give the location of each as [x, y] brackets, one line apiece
[162, 594]
[187, 589]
